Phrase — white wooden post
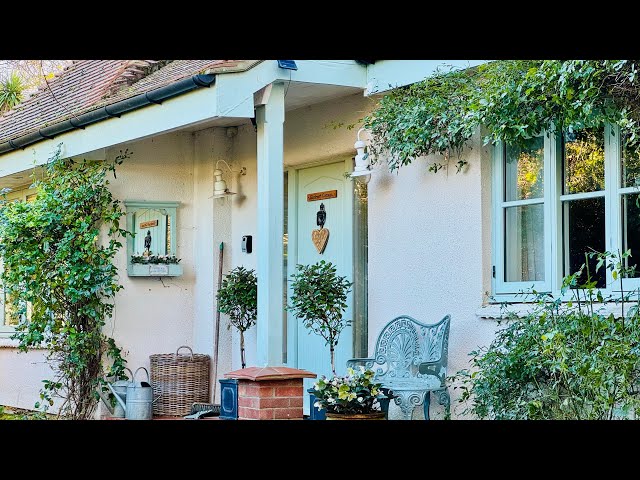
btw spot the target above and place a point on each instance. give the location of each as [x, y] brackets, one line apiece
[270, 120]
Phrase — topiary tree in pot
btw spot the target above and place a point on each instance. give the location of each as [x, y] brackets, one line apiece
[238, 298]
[319, 299]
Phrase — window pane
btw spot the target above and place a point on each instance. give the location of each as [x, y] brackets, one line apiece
[584, 161]
[524, 171]
[631, 230]
[584, 233]
[524, 243]
[11, 314]
[630, 165]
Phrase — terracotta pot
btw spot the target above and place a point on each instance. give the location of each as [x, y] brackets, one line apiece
[356, 416]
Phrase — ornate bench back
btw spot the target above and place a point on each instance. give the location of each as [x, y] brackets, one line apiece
[404, 344]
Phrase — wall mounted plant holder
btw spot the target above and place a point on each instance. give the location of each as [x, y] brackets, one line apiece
[151, 252]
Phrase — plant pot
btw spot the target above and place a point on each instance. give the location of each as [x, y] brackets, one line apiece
[356, 416]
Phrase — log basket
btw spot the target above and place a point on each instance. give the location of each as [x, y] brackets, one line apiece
[179, 381]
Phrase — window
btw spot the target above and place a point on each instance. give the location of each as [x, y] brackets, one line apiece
[8, 317]
[558, 197]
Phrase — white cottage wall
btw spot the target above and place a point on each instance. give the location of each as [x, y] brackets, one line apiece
[156, 315]
[430, 250]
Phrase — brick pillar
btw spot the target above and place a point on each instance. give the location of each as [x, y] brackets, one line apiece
[270, 393]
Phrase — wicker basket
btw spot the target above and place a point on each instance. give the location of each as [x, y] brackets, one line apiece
[178, 381]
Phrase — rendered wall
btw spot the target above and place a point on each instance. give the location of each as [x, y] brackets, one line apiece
[429, 242]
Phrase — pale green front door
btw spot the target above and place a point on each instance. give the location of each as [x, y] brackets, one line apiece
[321, 181]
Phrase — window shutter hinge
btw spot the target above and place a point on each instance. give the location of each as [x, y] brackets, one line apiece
[493, 271]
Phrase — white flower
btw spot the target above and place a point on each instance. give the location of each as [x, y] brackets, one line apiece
[360, 399]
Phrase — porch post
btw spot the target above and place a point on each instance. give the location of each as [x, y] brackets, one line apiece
[270, 120]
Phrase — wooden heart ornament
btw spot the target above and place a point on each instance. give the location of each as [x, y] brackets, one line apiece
[320, 237]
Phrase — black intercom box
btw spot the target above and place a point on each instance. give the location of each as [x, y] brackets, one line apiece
[247, 243]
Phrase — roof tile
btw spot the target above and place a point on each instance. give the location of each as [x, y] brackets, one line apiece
[90, 84]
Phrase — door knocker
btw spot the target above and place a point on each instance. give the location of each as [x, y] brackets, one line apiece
[320, 236]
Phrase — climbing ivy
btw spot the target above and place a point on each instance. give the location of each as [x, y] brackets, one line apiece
[61, 280]
[513, 99]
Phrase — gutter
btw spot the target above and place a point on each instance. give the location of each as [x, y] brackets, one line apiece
[108, 111]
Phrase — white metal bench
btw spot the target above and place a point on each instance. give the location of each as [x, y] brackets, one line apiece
[410, 361]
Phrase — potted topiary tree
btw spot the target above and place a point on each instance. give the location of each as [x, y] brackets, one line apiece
[238, 298]
[319, 299]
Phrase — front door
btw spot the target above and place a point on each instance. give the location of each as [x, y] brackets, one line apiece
[309, 188]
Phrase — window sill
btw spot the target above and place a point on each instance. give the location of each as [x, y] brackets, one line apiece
[497, 311]
[6, 342]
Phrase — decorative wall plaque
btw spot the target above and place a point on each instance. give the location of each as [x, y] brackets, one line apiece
[149, 224]
[158, 270]
[312, 197]
[320, 236]
[151, 251]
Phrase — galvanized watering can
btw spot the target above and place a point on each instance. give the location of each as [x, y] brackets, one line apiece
[120, 386]
[139, 398]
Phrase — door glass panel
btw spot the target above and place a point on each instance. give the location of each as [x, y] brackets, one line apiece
[360, 262]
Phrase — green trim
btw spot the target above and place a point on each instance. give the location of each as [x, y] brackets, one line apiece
[146, 204]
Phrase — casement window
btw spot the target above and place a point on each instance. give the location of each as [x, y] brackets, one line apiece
[554, 199]
[9, 318]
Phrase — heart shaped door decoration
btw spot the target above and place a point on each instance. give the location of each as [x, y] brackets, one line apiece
[320, 237]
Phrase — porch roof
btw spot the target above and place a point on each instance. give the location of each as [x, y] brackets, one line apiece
[88, 85]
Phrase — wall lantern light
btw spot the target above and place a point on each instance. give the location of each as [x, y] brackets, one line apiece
[362, 169]
[220, 189]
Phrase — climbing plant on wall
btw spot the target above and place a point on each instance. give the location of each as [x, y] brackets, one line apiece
[513, 99]
[60, 278]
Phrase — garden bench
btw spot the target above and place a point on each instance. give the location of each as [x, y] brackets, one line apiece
[410, 361]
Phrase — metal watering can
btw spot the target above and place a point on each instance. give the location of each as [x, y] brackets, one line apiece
[139, 398]
[120, 386]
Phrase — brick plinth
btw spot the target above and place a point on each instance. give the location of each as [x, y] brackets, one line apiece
[270, 393]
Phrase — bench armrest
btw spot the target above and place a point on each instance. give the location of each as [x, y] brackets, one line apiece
[366, 362]
[423, 369]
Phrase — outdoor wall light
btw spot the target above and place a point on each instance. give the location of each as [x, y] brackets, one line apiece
[362, 168]
[220, 189]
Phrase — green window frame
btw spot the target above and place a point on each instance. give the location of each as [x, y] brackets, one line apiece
[7, 325]
[555, 204]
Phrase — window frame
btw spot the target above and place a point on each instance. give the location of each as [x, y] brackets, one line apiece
[503, 291]
[499, 205]
[23, 195]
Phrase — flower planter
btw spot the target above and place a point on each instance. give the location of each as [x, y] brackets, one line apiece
[356, 416]
[154, 269]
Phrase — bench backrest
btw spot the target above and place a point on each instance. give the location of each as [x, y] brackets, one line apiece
[408, 348]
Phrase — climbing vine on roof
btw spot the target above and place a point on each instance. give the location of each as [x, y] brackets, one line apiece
[513, 99]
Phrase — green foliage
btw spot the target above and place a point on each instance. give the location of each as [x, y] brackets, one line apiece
[238, 298]
[11, 92]
[319, 299]
[354, 393]
[514, 99]
[155, 259]
[55, 264]
[570, 360]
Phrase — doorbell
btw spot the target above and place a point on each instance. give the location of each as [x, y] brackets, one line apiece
[246, 244]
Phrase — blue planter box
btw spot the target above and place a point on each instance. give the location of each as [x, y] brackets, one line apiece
[314, 413]
[228, 399]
